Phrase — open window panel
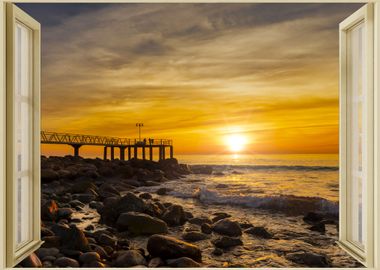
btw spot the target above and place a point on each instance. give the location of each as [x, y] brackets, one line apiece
[356, 135]
[23, 153]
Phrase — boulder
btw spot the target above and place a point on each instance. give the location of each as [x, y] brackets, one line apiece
[206, 228]
[65, 213]
[227, 227]
[108, 190]
[163, 191]
[84, 198]
[194, 236]
[308, 259]
[227, 242]
[44, 252]
[107, 240]
[146, 196]
[260, 232]
[46, 232]
[31, 261]
[200, 220]
[219, 216]
[174, 215]
[182, 262]
[88, 257]
[138, 223]
[130, 258]
[155, 262]
[51, 241]
[48, 175]
[313, 217]
[49, 211]
[217, 251]
[130, 203]
[83, 187]
[66, 262]
[167, 247]
[71, 237]
[318, 227]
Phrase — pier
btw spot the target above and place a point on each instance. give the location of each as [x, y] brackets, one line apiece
[131, 146]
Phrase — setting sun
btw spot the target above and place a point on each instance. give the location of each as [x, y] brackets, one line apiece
[236, 142]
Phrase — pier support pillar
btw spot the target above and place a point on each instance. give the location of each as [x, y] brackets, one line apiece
[105, 153]
[122, 152]
[112, 153]
[159, 152]
[171, 151]
[150, 153]
[135, 152]
[143, 152]
[76, 149]
[163, 152]
[129, 153]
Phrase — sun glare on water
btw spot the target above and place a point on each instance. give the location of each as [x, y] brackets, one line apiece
[236, 142]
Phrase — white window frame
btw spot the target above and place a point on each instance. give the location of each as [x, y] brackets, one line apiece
[15, 253]
[375, 234]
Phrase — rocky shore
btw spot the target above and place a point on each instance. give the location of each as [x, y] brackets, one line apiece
[93, 215]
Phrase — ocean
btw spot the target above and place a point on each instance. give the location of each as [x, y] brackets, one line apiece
[293, 184]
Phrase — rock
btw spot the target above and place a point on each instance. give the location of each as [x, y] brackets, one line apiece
[155, 262]
[94, 264]
[49, 258]
[188, 215]
[66, 262]
[108, 190]
[220, 216]
[83, 187]
[259, 232]
[199, 220]
[163, 191]
[49, 211]
[319, 227]
[71, 237]
[88, 257]
[227, 242]
[245, 225]
[31, 261]
[44, 252]
[167, 247]
[146, 196]
[182, 262]
[131, 203]
[138, 223]
[107, 240]
[84, 198]
[206, 228]
[46, 232]
[51, 241]
[89, 227]
[47, 264]
[48, 175]
[174, 215]
[130, 258]
[313, 217]
[308, 259]
[217, 252]
[96, 205]
[227, 227]
[76, 203]
[100, 250]
[65, 213]
[194, 236]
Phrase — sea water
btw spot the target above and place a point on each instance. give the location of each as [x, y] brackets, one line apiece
[293, 184]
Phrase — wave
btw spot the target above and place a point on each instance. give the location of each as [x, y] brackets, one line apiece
[268, 167]
[288, 204]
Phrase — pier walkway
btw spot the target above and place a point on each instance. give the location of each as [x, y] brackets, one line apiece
[131, 145]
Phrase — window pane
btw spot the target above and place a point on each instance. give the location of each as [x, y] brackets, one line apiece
[356, 144]
[23, 117]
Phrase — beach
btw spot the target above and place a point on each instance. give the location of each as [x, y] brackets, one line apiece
[202, 213]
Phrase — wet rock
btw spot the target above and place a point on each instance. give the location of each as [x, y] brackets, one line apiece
[44, 252]
[188, 215]
[194, 236]
[100, 250]
[245, 225]
[48, 175]
[96, 205]
[131, 203]
[47, 264]
[167, 247]
[319, 227]
[51, 241]
[138, 223]
[313, 217]
[83, 187]
[107, 240]
[88, 257]
[200, 220]
[71, 237]
[182, 262]
[227, 242]
[308, 259]
[227, 227]
[66, 262]
[217, 252]
[84, 198]
[76, 203]
[49, 258]
[155, 262]
[94, 264]
[206, 228]
[49, 211]
[220, 216]
[130, 258]
[46, 232]
[108, 190]
[163, 191]
[146, 196]
[31, 261]
[65, 213]
[89, 227]
[259, 232]
[174, 215]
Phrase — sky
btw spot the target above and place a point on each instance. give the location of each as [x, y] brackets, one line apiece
[208, 76]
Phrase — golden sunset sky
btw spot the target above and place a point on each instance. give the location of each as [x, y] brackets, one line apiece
[194, 73]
